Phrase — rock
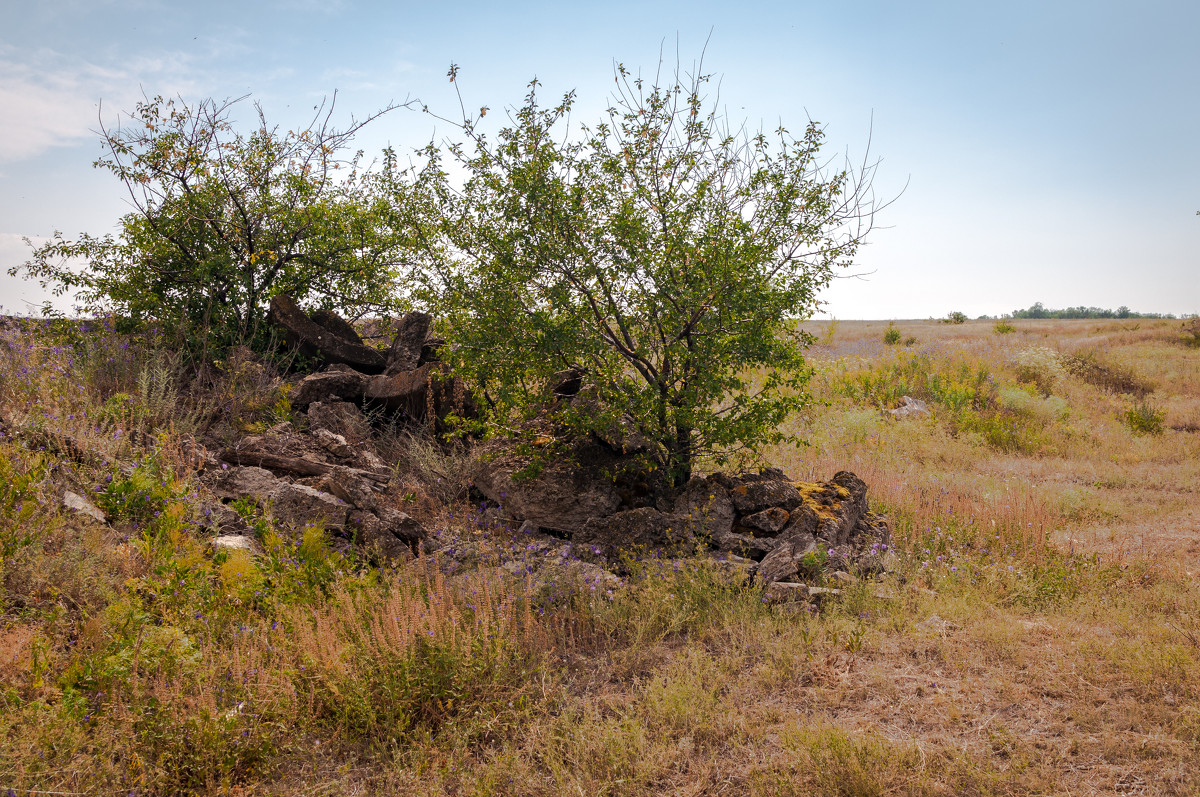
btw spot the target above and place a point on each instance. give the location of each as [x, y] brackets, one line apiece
[77, 503]
[414, 395]
[221, 520]
[844, 501]
[333, 443]
[329, 386]
[351, 488]
[707, 504]
[334, 323]
[909, 408]
[237, 542]
[339, 417]
[750, 498]
[429, 351]
[787, 560]
[561, 496]
[402, 526]
[785, 592]
[405, 352]
[243, 482]
[745, 545]
[374, 534]
[314, 339]
[768, 522]
[566, 384]
[637, 532]
[299, 505]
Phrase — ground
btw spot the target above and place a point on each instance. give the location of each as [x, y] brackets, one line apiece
[1040, 631]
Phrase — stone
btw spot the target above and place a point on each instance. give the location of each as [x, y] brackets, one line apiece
[745, 545]
[329, 386]
[299, 505]
[787, 560]
[405, 352]
[753, 497]
[785, 592]
[637, 532]
[333, 443]
[707, 504]
[909, 408]
[375, 535]
[314, 339]
[77, 503]
[402, 526]
[565, 384]
[768, 522]
[238, 542]
[412, 395]
[334, 323]
[222, 520]
[561, 497]
[339, 417]
[244, 482]
[351, 488]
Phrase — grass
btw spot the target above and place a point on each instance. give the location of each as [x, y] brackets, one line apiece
[1040, 632]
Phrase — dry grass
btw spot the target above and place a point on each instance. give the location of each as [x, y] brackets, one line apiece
[1040, 634]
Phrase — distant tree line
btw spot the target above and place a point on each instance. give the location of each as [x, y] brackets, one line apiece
[1038, 310]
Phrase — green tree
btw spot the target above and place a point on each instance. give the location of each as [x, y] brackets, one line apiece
[223, 221]
[662, 251]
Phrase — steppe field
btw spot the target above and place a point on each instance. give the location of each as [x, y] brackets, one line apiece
[1038, 633]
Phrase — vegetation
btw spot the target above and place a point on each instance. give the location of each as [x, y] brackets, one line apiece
[225, 220]
[659, 250]
[1038, 311]
[134, 656]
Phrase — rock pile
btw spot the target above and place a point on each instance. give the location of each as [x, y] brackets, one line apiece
[776, 529]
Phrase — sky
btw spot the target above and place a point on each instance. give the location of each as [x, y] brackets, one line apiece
[1041, 151]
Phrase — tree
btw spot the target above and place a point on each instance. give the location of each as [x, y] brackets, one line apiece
[665, 253]
[223, 221]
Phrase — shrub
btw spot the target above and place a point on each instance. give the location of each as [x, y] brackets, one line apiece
[1112, 377]
[955, 317]
[1003, 328]
[891, 335]
[1144, 418]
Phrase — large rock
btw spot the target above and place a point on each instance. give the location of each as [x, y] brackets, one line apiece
[839, 504]
[788, 560]
[752, 497]
[298, 505]
[243, 482]
[329, 386]
[560, 495]
[635, 533]
[707, 504]
[340, 417]
[421, 396]
[391, 535]
[405, 352]
[315, 339]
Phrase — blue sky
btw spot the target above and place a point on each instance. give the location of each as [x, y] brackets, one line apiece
[1049, 148]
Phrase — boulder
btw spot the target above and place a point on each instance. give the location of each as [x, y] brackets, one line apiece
[421, 396]
[333, 443]
[339, 417]
[405, 352]
[707, 504]
[839, 504]
[751, 497]
[787, 560]
[299, 505]
[637, 532]
[388, 539]
[745, 545]
[352, 488]
[768, 522]
[244, 482]
[237, 542]
[222, 520]
[561, 495]
[329, 386]
[334, 323]
[314, 339]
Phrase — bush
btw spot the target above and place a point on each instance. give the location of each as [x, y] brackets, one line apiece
[1144, 418]
[955, 318]
[1003, 328]
[657, 251]
[891, 335]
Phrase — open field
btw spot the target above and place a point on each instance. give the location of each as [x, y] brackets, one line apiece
[1039, 634]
